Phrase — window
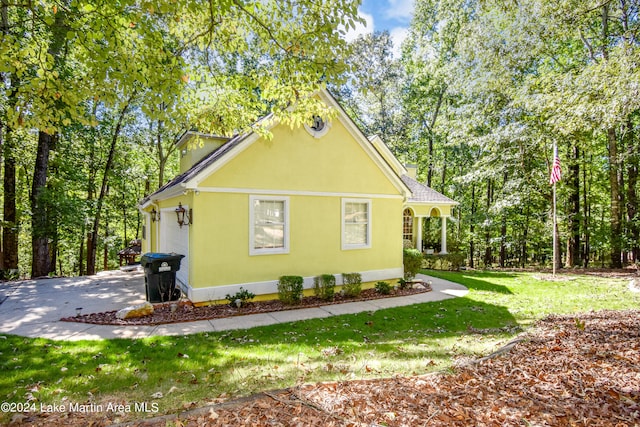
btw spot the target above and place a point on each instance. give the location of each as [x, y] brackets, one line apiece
[269, 225]
[356, 223]
[407, 225]
[318, 128]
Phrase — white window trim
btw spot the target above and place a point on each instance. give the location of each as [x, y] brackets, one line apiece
[318, 133]
[268, 251]
[345, 245]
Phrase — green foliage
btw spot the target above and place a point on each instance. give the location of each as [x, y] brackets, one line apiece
[383, 288]
[242, 295]
[324, 286]
[412, 261]
[404, 284]
[450, 261]
[290, 289]
[69, 70]
[352, 284]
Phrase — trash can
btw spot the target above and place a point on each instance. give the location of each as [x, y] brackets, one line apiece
[160, 276]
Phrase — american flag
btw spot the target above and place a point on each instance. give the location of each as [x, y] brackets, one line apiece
[556, 170]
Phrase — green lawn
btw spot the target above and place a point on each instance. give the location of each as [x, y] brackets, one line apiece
[201, 368]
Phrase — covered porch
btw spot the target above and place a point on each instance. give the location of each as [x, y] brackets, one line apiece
[424, 202]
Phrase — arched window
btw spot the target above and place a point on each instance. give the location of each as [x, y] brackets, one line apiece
[407, 225]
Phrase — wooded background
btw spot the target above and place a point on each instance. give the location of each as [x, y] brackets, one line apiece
[94, 95]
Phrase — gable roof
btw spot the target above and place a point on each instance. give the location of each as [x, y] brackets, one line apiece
[180, 181]
[420, 193]
[374, 147]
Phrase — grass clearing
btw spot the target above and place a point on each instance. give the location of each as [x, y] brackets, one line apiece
[175, 373]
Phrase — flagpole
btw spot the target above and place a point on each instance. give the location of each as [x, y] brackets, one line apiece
[555, 235]
[556, 174]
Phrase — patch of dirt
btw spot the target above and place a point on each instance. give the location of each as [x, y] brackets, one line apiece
[187, 312]
[568, 371]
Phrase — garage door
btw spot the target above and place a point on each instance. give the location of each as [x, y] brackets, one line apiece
[175, 239]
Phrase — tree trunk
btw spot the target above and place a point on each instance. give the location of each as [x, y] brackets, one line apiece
[9, 247]
[105, 255]
[503, 233]
[162, 159]
[503, 241]
[573, 181]
[487, 235]
[632, 195]
[586, 251]
[525, 236]
[92, 238]
[40, 227]
[444, 173]
[81, 253]
[430, 130]
[615, 220]
[10, 216]
[472, 226]
[40, 254]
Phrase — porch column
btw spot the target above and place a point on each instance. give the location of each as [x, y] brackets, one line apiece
[443, 249]
[419, 234]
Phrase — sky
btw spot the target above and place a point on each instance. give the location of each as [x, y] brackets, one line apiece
[392, 15]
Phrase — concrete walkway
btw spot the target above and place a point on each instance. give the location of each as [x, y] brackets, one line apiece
[33, 308]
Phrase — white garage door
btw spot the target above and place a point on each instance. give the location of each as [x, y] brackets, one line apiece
[175, 239]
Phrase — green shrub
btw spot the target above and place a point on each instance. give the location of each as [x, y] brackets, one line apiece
[455, 260]
[403, 284]
[412, 260]
[242, 295]
[352, 284]
[324, 286]
[290, 289]
[383, 288]
[451, 261]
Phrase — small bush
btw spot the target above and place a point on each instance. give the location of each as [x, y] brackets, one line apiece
[243, 295]
[404, 284]
[324, 286]
[383, 288]
[412, 260]
[352, 284]
[290, 289]
[450, 261]
[455, 260]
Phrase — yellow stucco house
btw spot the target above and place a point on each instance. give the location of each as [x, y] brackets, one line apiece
[320, 199]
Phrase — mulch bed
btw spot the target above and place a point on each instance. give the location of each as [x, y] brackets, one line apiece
[568, 371]
[187, 312]
[581, 370]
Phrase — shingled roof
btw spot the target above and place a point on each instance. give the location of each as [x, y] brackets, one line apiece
[201, 165]
[422, 193]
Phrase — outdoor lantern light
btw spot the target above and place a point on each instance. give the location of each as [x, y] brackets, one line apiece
[155, 215]
[184, 216]
[78, 311]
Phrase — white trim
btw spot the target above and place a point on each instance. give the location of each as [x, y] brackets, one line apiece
[168, 215]
[443, 237]
[217, 293]
[177, 190]
[239, 190]
[287, 221]
[379, 145]
[349, 246]
[410, 203]
[146, 247]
